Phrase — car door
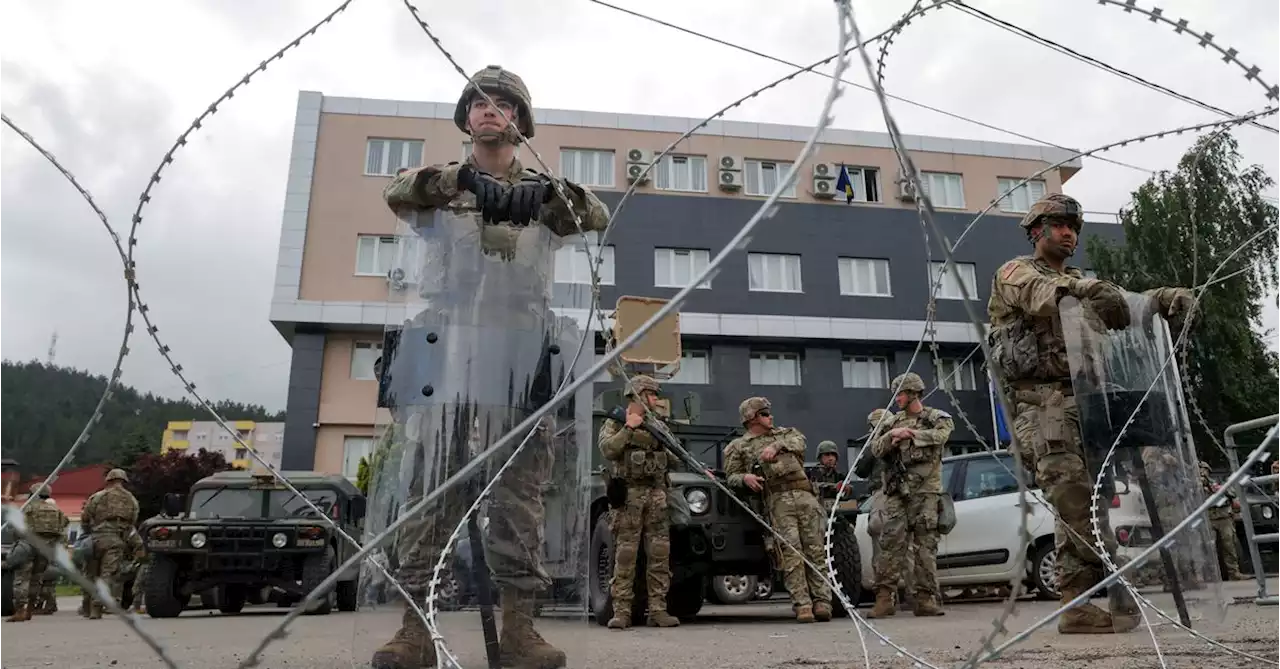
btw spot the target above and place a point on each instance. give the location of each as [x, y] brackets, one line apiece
[985, 540]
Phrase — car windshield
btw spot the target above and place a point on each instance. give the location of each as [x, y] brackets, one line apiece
[225, 502]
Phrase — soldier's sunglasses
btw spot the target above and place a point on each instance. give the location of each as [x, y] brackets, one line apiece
[763, 414]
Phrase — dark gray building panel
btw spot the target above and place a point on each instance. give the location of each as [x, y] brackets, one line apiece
[298, 450]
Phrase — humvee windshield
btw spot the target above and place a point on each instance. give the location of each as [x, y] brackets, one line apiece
[225, 502]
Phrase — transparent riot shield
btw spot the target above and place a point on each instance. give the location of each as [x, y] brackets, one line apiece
[1133, 418]
[475, 342]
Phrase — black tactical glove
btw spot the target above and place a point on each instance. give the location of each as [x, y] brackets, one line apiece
[528, 196]
[492, 196]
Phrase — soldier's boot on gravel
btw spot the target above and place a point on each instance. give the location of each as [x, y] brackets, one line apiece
[410, 648]
[620, 621]
[658, 616]
[1083, 619]
[522, 646]
[1125, 614]
[884, 604]
[926, 605]
[822, 611]
[804, 614]
[21, 614]
[95, 610]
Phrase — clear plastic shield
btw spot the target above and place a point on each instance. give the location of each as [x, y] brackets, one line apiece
[1133, 419]
[476, 342]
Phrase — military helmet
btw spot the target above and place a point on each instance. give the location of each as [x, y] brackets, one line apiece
[42, 488]
[1053, 204]
[752, 406]
[1204, 466]
[117, 475]
[874, 418]
[640, 383]
[828, 446]
[495, 80]
[910, 382]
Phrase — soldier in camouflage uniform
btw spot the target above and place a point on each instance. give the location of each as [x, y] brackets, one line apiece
[872, 469]
[502, 198]
[1028, 349]
[49, 524]
[910, 448]
[1224, 526]
[112, 513]
[778, 453]
[828, 480]
[642, 462]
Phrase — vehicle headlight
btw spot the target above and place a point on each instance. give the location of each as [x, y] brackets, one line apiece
[198, 540]
[1268, 512]
[279, 540]
[698, 499]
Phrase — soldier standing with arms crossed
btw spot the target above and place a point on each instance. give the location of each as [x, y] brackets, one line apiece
[1027, 345]
[910, 448]
[112, 513]
[642, 463]
[778, 454]
[49, 524]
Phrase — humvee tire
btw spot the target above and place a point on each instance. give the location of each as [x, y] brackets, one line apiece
[315, 569]
[163, 600]
[847, 561]
[684, 600]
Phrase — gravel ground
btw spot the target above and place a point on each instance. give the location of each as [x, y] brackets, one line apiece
[756, 636]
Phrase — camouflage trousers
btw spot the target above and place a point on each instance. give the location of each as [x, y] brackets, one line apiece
[909, 520]
[1224, 531]
[645, 517]
[47, 599]
[28, 579]
[875, 526]
[797, 517]
[110, 552]
[140, 585]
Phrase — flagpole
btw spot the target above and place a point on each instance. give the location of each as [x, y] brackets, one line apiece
[991, 398]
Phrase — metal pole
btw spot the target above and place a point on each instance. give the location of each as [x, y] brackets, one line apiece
[1251, 541]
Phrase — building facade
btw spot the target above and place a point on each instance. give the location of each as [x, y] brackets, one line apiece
[266, 439]
[820, 313]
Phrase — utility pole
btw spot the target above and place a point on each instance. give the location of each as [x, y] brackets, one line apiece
[53, 348]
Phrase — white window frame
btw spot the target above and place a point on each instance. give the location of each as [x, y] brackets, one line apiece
[849, 273]
[868, 178]
[572, 262]
[754, 173]
[690, 165]
[760, 367]
[789, 267]
[876, 365]
[966, 375]
[467, 149]
[357, 370]
[364, 445]
[697, 374]
[696, 261]
[387, 166]
[950, 288]
[384, 254]
[952, 184]
[572, 160]
[1019, 201]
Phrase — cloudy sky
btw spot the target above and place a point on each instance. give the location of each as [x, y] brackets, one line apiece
[107, 87]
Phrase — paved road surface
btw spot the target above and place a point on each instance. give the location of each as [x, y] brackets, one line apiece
[755, 636]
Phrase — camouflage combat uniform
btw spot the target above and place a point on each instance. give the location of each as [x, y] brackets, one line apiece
[1029, 351]
[873, 470]
[516, 511]
[641, 461]
[1222, 519]
[793, 509]
[828, 482]
[112, 513]
[49, 524]
[911, 500]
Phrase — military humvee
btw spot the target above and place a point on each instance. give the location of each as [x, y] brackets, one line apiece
[241, 532]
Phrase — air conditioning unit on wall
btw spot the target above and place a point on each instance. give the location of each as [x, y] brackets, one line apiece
[730, 174]
[637, 161]
[823, 188]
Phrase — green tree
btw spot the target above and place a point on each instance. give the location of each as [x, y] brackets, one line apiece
[1206, 209]
[140, 440]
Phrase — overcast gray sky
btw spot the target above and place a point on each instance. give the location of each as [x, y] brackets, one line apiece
[108, 86]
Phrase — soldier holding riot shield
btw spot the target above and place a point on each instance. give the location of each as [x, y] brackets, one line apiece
[481, 349]
[1028, 347]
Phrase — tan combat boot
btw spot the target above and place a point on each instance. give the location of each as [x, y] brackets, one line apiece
[522, 646]
[21, 614]
[822, 611]
[804, 614]
[410, 648]
[884, 604]
[620, 621]
[927, 605]
[658, 617]
[1083, 619]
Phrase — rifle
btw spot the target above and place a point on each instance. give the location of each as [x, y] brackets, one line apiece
[664, 437]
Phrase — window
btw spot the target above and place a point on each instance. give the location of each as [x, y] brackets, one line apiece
[354, 448]
[773, 272]
[775, 369]
[957, 374]
[950, 288]
[587, 167]
[374, 255]
[687, 173]
[763, 176]
[865, 372]
[385, 157]
[180, 435]
[241, 453]
[363, 355]
[864, 276]
[1021, 199]
[985, 477]
[946, 190]
[675, 268]
[866, 183]
[695, 368]
[574, 266]
[243, 435]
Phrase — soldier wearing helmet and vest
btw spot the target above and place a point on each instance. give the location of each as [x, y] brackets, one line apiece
[778, 454]
[872, 469]
[910, 446]
[642, 463]
[112, 513]
[1222, 520]
[828, 480]
[49, 524]
[1030, 354]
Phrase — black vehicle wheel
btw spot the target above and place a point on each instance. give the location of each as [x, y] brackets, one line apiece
[600, 571]
[209, 599]
[348, 595]
[737, 589]
[162, 589]
[126, 593]
[685, 599]
[6, 605]
[848, 563]
[231, 598]
[449, 591]
[315, 569]
[1043, 561]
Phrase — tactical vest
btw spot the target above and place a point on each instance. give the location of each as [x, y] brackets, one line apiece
[1031, 349]
[44, 519]
[785, 473]
[644, 461]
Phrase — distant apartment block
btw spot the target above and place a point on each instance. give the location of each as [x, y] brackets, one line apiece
[266, 439]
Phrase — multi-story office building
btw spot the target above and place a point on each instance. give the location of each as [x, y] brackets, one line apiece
[819, 314]
[266, 439]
